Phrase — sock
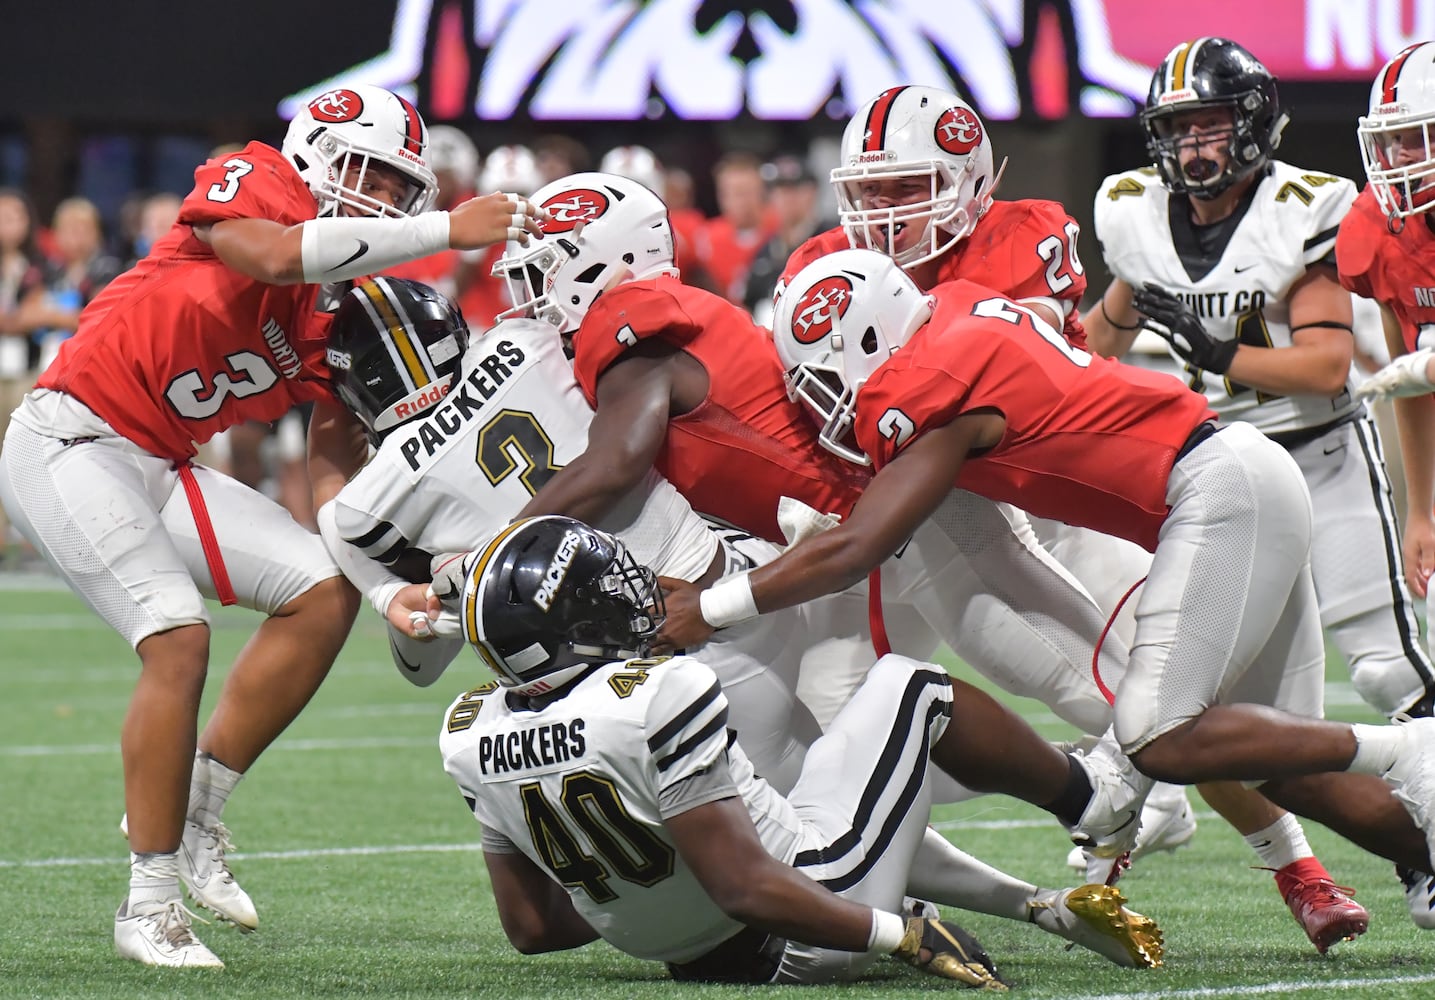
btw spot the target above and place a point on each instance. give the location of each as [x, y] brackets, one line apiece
[948, 876]
[209, 789]
[1072, 802]
[1281, 843]
[1375, 748]
[154, 878]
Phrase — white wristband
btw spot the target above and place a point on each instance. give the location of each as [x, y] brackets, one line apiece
[340, 249]
[728, 602]
[382, 596]
[888, 930]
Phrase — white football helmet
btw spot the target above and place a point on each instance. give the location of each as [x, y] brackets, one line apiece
[1397, 142]
[510, 169]
[602, 229]
[352, 127]
[835, 323]
[637, 163]
[451, 149]
[914, 132]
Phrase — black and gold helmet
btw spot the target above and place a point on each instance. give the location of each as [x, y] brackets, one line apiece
[394, 351]
[1212, 72]
[548, 597]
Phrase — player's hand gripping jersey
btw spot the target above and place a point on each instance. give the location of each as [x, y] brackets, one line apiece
[146, 369]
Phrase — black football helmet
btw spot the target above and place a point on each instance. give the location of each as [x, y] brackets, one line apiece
[394, 351]
[549, 597]
[1212, 72]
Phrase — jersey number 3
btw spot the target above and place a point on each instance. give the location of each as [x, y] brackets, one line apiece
[195, 399]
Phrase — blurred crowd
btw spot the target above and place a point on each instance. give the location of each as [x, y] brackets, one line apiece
[50, 268]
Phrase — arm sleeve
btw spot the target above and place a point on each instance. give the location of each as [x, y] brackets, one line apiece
[372, 578]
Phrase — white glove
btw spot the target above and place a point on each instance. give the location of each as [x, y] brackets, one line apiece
[1407, 375]
[449, 571]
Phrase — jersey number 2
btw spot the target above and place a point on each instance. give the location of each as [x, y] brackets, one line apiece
[1060, 255]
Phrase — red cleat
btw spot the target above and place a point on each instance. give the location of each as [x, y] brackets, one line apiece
[1323, 909]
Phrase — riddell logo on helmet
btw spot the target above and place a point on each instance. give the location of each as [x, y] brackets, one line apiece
[958, 131]
[337, 106]
[412, 156]
[1393, 108]
[875, 156]
[568, 209]
[1178, 96]
[417, 404]
[824, 302]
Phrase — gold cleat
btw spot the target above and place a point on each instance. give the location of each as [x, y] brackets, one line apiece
[1101, 910]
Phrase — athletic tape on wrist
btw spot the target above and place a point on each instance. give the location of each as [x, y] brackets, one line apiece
[887, 932]
[728, 602]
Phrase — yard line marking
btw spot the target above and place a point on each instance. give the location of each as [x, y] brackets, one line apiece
[1264, 989]
[322, 852]
[84, 749]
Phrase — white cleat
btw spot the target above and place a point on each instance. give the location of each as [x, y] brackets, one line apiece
[204, 871]
[1412, 776]
[1166, 824]
[1419, 896]
[1109, 826]
[159, 933]
[1096, 917]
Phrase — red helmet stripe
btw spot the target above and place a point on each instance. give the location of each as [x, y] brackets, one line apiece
[877, 119]
[414, 128]
[1391, 78]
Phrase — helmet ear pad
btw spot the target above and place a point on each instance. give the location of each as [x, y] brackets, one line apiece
[395, 351]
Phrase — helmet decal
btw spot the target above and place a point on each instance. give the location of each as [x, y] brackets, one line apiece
[337, 106]
[569, 208]
[876, 134]
[824, 302]
[413, 128]
[958, 131]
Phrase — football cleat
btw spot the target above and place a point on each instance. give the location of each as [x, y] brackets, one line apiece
[1096, 917]
[1419, 896]
[1323, 909]
[1166, 824]
[205, 873]
[1109, 825]
[159, 933]
[1412, 776]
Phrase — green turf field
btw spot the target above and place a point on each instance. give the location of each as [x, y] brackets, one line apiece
[361, 858]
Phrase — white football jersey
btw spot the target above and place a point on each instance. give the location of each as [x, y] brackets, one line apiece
[576, 786]
[515, 416]
[1239, 291]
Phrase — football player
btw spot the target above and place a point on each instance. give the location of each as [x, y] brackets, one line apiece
[916, 182]
[697, 861]
[1386, 252]
[466, 432]
[217, 325]
[1225, 680]
[1229, 255]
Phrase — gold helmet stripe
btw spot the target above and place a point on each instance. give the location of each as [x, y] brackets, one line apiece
[471, 588]
[402, 339]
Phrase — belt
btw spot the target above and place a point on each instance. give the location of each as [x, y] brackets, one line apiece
[1294, 439]
[749, 956]
[1198, 434]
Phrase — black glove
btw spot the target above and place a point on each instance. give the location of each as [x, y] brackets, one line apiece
[943, 949]
[1174, 322]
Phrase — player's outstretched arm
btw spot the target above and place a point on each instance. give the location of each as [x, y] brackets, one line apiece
[1113, 323]
[536, 912]
[899, 498]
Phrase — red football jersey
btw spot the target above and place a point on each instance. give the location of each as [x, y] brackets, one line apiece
[181, 347]
[1395, 269]
[747, 444]
[1023, 249]
[1089, 441]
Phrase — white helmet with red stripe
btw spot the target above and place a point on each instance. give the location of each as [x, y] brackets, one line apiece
[337, 136]
[1397, 141]
[937, 147]
[834, 325]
